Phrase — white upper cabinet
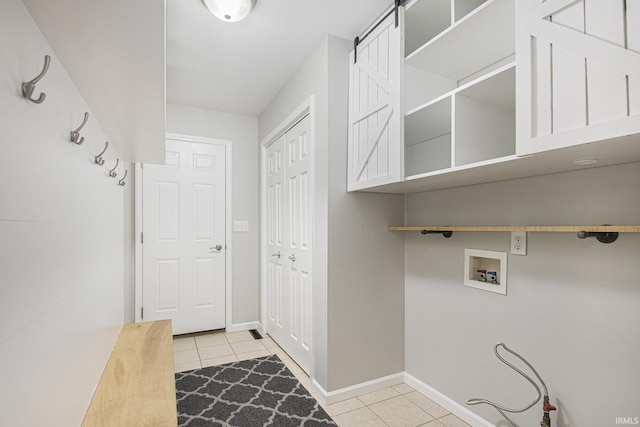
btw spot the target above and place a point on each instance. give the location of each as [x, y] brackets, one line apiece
[375, 110]
[472, 113]
[579, 72]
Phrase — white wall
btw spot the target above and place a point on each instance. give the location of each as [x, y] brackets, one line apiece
[61, 240]
[571, 306]
[358, 288]
[242, 131]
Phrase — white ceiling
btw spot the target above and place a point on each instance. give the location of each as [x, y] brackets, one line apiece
[240, 67]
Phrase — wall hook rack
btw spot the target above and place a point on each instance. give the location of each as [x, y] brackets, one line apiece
[112, 172]
[446, 234]
[121, 181]
[74, 136]
[99, 159]
[30, 86]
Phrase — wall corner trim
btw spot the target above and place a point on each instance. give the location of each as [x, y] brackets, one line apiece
[329, 397]
[446, 402]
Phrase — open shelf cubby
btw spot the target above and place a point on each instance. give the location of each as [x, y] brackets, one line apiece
[428, 138]
[425, 19]
[485, 119]
[483, 36]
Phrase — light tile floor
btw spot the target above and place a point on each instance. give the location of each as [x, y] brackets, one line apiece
[397, 406]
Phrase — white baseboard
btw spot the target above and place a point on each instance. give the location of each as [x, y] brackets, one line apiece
[446, 402]
[243, 327]
[329, 397]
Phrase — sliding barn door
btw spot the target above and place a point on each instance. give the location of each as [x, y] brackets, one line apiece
[578, 72]
[376, 150]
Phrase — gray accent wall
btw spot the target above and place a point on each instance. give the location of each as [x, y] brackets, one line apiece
[358, 279]
[572, 306]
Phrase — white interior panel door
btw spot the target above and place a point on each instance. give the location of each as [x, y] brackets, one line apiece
[298, 262]
[288, 177]
[184, 242]
[375, 140]
[275, 241]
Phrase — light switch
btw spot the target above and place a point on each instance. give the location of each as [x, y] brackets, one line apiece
[241, 226]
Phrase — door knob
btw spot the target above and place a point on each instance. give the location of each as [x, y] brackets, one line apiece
[292, 257]
[217, 247]
[276, 254]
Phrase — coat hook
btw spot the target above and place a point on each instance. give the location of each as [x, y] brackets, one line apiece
[75, 134]
[121, 181]
[30, 86]
[99, 159]
[112, 172]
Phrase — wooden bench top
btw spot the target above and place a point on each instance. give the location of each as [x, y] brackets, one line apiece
[137, 387]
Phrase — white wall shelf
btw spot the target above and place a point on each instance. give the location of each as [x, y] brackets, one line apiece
[467, 126]
[607, 152]
[481, 38]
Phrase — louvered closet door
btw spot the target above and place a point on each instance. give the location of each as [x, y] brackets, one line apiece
[376, 150]
[578, 72]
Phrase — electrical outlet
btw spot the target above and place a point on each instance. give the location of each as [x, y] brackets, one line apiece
[518, 243]
[241, 226]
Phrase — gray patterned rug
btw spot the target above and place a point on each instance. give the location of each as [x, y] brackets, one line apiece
[250, 393]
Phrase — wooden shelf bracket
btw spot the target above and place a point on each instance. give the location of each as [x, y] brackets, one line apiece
[603, 233]
[445, 233]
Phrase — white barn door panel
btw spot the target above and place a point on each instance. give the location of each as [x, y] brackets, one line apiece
[578, 72]
[375, 114]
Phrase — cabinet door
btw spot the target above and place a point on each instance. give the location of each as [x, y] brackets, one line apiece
[578, 72]
[375, 113]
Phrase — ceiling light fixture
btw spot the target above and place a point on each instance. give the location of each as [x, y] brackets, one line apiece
[230, 10]
[585, 162]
